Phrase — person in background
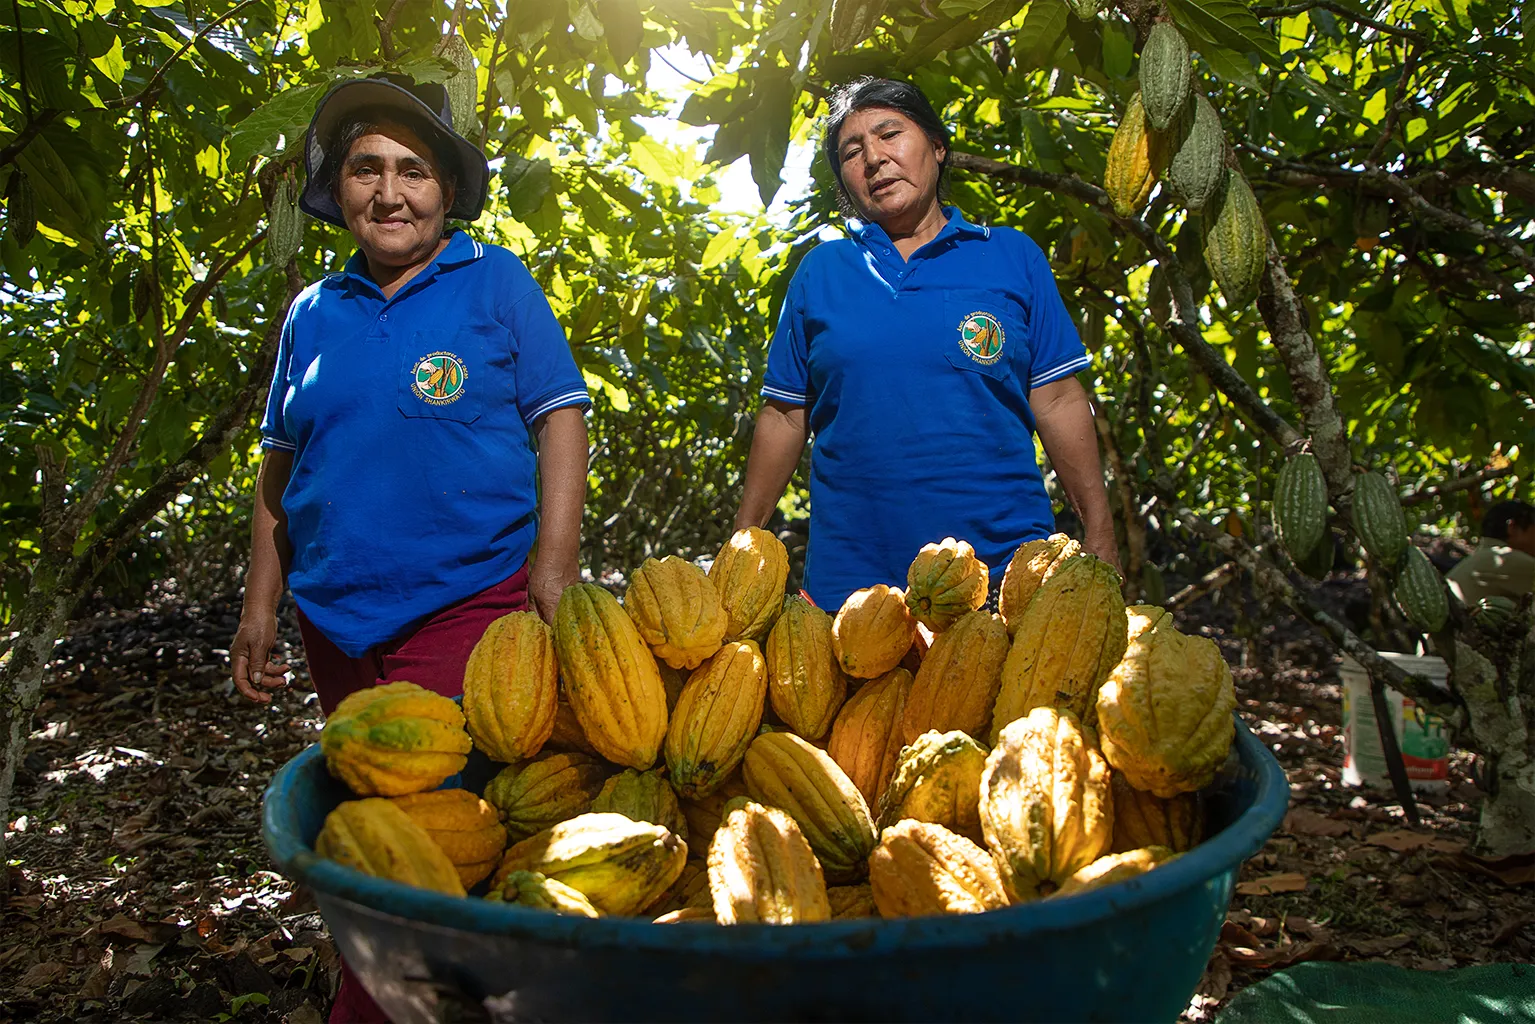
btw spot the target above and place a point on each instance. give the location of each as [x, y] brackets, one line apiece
[925, 353]
[424, 429]
[1503, 564]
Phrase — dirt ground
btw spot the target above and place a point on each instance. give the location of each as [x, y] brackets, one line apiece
[141, 891]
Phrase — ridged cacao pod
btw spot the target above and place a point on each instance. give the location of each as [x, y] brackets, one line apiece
[642, 796]
[539, 892]
[866, 737]
[1166, 76]
[762, 871]
[379, 839]
[945, 581]
[532, 795]
[1145, 819]
[463, 826]
[677, 611]
[511, 686]
[610, 676]
[1137, 157]
[285, 223]
[20, 209]
[1420, 592]
[956, 687]
[920, 869]
[853, 21]
[850, 901]
[806, 686]
[716, 718]
[567, 733]
[1300, 505]
[1197, 168]
[1144, 617]
[937, 779]
[781, 770]
[462, 85]
[1115, 867]
[1319, 563]
[1236, 242]
[394, 739]
[1164, 715]
[1073, 634]
[1034, 562]
[1045, 803]
[621, 866]
[750, 573]
[705, 813]
[873, 631]
[1379, 520]
[1493, 613]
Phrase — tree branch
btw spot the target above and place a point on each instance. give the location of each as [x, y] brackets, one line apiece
[1398, 105]
[1215, 579]
[386, 29]
[11, 150]
[1460, 483]
[1346, 13]
[129, 102]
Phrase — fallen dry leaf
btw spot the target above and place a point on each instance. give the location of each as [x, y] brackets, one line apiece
[1289, 881]
[1217, 978]
[125, 927]
[1378, 947]
[1516, 869]
[42, 975]
[1236, 935]
[1401, 840]
[1513, 926]
[1303, 822]
[1281, 957]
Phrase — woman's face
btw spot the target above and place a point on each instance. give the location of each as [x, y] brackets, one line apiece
[392, 197]
[889, 166]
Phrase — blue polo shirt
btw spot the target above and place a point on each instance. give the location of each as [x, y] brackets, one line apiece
[413, 483]
[916, 374]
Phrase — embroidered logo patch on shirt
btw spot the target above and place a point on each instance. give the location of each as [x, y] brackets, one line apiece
[439, 378]
[981, 336]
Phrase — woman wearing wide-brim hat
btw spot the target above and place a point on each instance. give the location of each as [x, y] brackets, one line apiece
[424, 431]
[925, 353]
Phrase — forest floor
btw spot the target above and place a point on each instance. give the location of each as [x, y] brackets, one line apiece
[141, 891]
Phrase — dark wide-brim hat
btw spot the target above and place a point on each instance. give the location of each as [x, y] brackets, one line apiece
[428, 101]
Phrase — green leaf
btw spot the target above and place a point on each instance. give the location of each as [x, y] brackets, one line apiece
[1042, 30]
[1118, 50]
[721, 247]
[768, 143]
[60, 201]
[1228, 22]
[112, 63]
[623, 26]
[584, 19]
[526, 183]
[1229, 65]
[281, 121]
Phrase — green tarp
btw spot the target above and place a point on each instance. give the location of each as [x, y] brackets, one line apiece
[1367, 993]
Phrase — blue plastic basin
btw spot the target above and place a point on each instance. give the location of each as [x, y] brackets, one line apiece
[1132, 951]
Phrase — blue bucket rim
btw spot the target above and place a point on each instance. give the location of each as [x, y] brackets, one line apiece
[1214, 857]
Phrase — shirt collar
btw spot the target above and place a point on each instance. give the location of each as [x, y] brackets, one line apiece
[869, 234]
[460, 249]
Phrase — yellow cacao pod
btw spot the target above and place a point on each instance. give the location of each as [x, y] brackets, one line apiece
[511, 686]
[677, 611]
[717, 715]
[750, 574]
[1137, 157]
[642, 796]
[621, 866]
[463, 826]
[849, 901]
[539, 892]
[762, 871]
[532, 795]
[873, 631]
[1033, 563]
[956, 687]
[378, 838]
[921, 869]
[1073, 634]
[1115, 867]
[1046, 807]
[567, 733]
[394, 739]
[866, 737]
[1145, 819]
[1164, 715]
[1142, 618]
[945, 581]
[937, 779]
[781, 770]
[610, 676]
[704, 813]
[806, 686]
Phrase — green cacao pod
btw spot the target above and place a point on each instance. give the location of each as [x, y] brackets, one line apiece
[1236, 242]
[1197, 168]
[937, 779]
[642, 796]
[1087, 10]
[1495, 612]
[853, 21]
[1166, 76]
[20, 209]
[285, 223]
[1137, 156]
[1319, 563]
[1300, 505]
[1379, 520]
[463, 89]
[1420, 592]
[536, 794]
[533, 889]
[621, 866]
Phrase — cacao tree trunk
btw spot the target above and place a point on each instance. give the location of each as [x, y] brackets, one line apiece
[1498, 726]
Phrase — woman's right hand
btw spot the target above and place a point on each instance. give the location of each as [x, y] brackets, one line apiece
[255, 674]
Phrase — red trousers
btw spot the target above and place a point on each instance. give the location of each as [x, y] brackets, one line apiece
[432, 656]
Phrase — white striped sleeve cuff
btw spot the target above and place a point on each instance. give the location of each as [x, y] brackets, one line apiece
[784, 396]
[1064, 370]
[272, 442]
[568, 398]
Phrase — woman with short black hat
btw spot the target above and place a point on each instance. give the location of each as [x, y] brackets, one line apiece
[925, 353]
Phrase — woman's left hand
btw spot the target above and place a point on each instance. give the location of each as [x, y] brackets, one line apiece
[547, 580]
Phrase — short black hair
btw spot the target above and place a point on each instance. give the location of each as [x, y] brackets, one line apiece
[1499, 517]
[863, 93]
[367, 120]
